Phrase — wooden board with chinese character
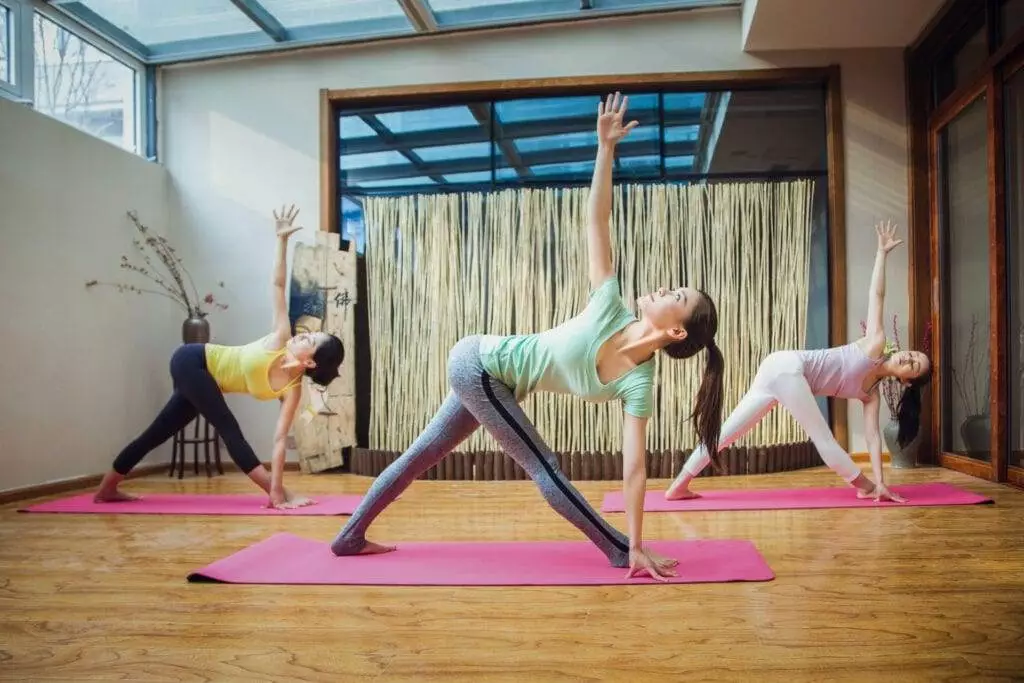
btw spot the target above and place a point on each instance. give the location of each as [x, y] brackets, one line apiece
[323, 297]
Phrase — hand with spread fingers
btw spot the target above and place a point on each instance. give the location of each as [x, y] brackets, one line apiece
[646, 561]
[284, 220]
[610, 115]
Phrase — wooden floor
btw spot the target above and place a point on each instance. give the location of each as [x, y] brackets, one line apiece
[931, 594]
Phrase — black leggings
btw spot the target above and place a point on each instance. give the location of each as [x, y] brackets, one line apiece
[195, 392]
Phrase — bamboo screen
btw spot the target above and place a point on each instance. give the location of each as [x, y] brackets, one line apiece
[440, 267]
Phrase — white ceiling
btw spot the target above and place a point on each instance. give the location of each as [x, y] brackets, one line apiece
[833, 24]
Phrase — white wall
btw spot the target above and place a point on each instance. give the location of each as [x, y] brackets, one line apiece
[84, 371]
[240, 137]
[812, 24]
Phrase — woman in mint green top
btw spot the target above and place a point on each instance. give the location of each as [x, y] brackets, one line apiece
[563, 360]
[604, 353]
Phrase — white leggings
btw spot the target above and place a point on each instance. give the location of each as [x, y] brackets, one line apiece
[780, 379]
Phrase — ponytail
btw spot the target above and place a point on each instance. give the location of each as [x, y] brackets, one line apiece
[707, 414]
[908, 411]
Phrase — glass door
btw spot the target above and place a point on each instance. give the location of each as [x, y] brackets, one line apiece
[960, 155]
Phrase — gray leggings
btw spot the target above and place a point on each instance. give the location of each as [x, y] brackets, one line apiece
[476, 399]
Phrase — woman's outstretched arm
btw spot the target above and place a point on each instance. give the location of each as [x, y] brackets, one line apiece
[599, 208]
[875, 326]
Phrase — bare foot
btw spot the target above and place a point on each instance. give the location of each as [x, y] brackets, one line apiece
[372, 548]
[681, 494]
[294, 502]
[114, 496]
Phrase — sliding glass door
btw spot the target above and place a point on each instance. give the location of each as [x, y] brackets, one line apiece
[962, 372]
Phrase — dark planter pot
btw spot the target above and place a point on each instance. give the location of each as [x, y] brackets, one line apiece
[976, 432]
[195, 331]
[903, 457]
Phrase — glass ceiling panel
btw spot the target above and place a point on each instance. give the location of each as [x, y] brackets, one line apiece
[471, 150]
[686, 100]
[477, 177]
[456, 12]
[449, 5]
[506, 174]
[636, 162]
[550, 142]
[153, 22]
[515, 111]
[682, 133]
[170, 31]
[396, 182]
[465, 12]
[566, 170]
[428, 119]
[354, 127]
[679, 163]
[372, 159]
[298, 13]
[643, 134]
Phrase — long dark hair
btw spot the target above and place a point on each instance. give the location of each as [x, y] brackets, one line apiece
[908, 410]
[700, 334]
[327, 357]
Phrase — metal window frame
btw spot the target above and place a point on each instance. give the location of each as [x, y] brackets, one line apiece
[20, 53]
[5, 84]
[23, 89]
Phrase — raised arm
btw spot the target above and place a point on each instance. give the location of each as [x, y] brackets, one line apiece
[599, 208]
[284, 228]
[875, 331]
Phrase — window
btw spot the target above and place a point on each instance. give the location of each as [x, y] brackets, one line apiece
[5, 45]
[550, 141]
[961, 63]
[547, 140]
[82, 85]
[66, 71]
[1011, 18]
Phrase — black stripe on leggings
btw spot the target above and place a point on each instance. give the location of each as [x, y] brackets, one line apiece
[485, 379]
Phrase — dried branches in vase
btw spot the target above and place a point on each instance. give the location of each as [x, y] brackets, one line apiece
[971, 377]
[172, 282]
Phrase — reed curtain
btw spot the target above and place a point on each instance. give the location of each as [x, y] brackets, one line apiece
[440, 267]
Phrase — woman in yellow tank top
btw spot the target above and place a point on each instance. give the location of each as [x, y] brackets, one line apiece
[268, 368]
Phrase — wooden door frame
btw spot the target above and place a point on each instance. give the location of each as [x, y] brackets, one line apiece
[925, 122]
[1010, 68]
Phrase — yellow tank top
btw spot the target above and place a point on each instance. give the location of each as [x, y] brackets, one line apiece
[245, 369]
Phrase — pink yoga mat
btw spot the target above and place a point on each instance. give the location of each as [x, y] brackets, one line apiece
[288, 559]
[798, 499]
[187, 504]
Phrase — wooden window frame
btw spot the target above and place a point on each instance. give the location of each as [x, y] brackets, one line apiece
[331, 101]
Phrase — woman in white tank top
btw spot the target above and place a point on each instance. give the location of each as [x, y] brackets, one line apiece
[853, 371]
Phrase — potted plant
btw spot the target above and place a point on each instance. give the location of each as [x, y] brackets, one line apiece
[971, 382]
[195, 328]
[900, 457]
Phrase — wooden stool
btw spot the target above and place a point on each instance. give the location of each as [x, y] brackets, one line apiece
[209, 437]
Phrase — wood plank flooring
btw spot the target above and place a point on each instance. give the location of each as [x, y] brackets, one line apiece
[912, 594]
